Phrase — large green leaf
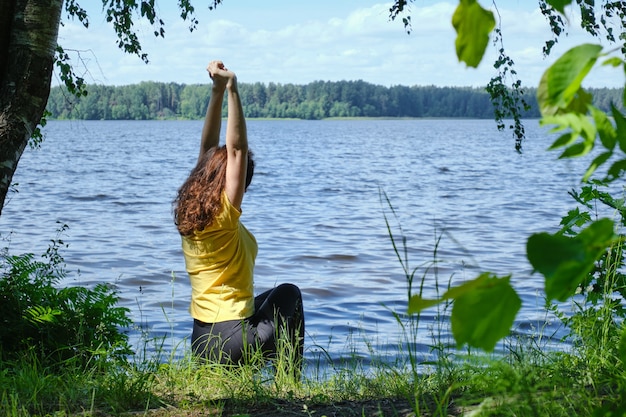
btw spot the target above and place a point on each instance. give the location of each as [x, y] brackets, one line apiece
[483, 311]
[484, 315]
[564, 261]
[473, 24]
[560, 86]
[561, 260]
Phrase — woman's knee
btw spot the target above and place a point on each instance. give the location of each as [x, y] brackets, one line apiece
[289, 291]
[284, 300]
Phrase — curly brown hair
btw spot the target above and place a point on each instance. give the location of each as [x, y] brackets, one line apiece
[199, 198]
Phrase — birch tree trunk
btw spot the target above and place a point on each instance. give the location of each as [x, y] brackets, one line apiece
[28, 39]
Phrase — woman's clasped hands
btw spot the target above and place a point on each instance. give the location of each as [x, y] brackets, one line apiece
[220, 75]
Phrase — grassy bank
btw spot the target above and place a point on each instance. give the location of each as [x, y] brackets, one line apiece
[525, 382]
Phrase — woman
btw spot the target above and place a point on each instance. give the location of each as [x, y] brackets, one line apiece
[229, 322]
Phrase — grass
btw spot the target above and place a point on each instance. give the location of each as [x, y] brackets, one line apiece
[525, 379]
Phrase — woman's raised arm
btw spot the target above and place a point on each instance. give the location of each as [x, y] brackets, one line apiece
[236, 145]
[236, 132]
[213, 120]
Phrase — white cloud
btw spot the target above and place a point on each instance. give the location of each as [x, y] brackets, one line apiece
[323, 42]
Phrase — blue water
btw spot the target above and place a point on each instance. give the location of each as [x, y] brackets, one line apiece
[315, 208]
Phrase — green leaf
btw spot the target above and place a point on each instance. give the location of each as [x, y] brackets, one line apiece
[577, 149]
[563, 140]
[575, 121]
[560, 85]
[617, 170]
[473, 24]
[483, 311]
[484, 315]
[565, 262]
[417, 304]
[613, 62]
[559, 5]
[579, 125]
[580, 102]
[597, 162]
[468, 286]
[41, 314]
[606, 131]
[574, 218]
[620, 126]
[557, 121]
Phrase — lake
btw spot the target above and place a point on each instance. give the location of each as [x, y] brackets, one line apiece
[315, 207]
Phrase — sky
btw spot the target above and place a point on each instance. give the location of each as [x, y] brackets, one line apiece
[287, 41]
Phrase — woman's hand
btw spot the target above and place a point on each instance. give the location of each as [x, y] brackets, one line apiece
[221, 76]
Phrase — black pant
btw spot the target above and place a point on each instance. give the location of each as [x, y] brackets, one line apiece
[276, 311]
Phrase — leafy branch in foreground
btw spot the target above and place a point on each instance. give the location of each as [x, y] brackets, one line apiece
[567, 107]
[567, 261]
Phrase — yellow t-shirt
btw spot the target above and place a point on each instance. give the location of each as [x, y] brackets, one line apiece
[220, 264]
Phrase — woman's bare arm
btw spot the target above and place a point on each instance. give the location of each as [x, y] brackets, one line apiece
[236, 133]
[236, 145]
[213, 120]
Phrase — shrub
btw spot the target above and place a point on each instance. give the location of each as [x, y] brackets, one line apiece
[56, 323]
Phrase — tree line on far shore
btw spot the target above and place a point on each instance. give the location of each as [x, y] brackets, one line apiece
[316, 100]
